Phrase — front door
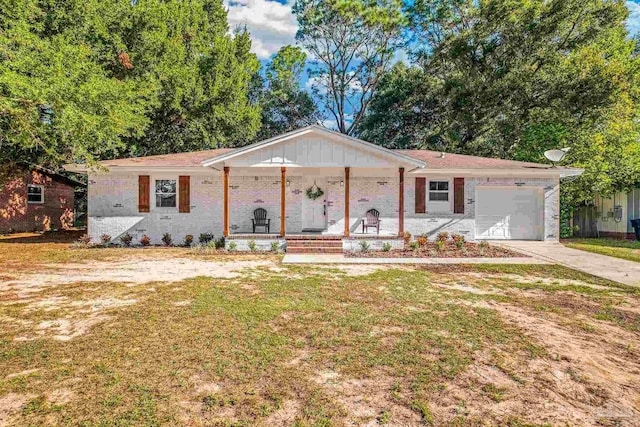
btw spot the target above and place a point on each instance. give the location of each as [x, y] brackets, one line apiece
[314, 212]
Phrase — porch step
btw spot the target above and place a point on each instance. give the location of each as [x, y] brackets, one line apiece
[314, 250]
[314, 244]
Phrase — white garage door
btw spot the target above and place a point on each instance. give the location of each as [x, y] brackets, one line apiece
[509, 213]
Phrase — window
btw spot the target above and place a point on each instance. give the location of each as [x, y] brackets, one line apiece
[165, 193]
[35, 194]
[438, 191]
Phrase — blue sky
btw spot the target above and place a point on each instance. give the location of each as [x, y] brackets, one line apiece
[272, 25]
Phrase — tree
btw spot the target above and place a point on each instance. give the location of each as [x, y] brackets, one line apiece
[121, 78]
[512, 78]
[352, 43]
[56, 102]
[285, 106]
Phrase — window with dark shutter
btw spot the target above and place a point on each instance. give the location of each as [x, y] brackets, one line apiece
[458, 195]
[144, 193]
[184, 193]
[421, 193]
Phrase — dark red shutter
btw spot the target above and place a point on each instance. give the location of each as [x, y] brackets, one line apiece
[144, 193]
[458, 195]
[184, 192]
[421, 195]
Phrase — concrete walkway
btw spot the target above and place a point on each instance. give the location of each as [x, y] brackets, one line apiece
[616, 269]
[341, 259]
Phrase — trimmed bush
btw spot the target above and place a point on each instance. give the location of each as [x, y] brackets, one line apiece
[166, 239]
[442, 236]
[106, 239]
[386, 247]
[188, 240]
[126, 239]
[364, 246]
[232, 246]
[145, 240]
[252, 245]
[275, 246]
[205, 237]
[84, 239]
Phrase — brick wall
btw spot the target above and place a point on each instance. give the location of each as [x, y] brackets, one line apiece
[16, 215]
[115, 196]
[113, 207]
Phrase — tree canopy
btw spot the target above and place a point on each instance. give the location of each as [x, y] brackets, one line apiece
[285, 106]
[513, 78]
[82, 80]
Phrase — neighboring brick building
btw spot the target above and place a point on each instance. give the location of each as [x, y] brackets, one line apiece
[34, 199]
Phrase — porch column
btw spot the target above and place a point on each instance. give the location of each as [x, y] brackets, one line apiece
[225, 201]
[346, 201]
[401, 203]
[283, 178]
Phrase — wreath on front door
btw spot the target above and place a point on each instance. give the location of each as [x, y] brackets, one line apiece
[314, 192]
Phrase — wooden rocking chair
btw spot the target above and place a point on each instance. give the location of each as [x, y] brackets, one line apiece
[260, 220]
[371, 220]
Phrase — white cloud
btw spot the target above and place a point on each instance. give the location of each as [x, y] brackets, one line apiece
[270, 23]
[633, 22]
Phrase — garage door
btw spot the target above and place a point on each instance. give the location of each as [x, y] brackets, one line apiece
[509, 213]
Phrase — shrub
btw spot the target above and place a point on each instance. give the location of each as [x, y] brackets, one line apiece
[407, 238]
[233, 246]
[126, 239]
[188, 240]
[364, 246]
[252, 245]
[84, 239]
[275, 246]
[442, 236]
[145, 240]
[166, 239]
[106, 239]
[440, 245]
[219, 243]
[422, 241]
[205, 237]
[483, 244]
[414, 246]
[386, 246]
[458, 239]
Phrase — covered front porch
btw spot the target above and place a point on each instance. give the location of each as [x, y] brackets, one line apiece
[313, 202]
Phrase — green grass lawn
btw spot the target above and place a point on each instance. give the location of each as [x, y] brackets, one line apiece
[312, 346]
[625, 249]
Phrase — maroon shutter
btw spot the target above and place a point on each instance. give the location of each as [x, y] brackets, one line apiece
[458, 195]
[144, 194]
[421, 195]
[184, 192]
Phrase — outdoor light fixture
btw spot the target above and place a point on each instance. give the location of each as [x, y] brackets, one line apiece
[288, 183]
[341, 183]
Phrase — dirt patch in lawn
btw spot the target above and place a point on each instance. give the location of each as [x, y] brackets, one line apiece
[131, 272]
[582, 381]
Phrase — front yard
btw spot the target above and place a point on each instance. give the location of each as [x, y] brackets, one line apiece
[625, 249]
[172, 337]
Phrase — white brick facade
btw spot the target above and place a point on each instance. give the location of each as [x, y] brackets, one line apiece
[113, 205]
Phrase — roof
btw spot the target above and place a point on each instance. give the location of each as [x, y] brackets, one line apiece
[436, 160]
[190, 158]
[420, 158]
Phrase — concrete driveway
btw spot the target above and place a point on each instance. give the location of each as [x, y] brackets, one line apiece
[616, 269]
